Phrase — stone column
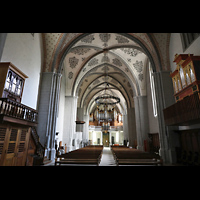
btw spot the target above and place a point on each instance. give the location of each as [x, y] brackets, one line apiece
[125, 127]
[86, 128]
[80, 115]
[2, 43]
[47, 111]
[101, 138]
[142, 121]
[69, 127]
[131, 126]
[79, 127]
[165, 98]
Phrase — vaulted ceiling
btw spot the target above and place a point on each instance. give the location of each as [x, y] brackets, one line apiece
[101, 58]
[87, 57]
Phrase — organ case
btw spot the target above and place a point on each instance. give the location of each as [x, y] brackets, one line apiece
[11, 81]
[186, 77]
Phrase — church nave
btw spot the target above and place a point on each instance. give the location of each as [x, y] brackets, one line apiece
[62, 93]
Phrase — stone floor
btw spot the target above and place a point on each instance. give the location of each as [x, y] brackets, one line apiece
[107, 158]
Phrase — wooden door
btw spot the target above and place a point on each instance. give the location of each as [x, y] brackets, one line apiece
[106, 139]
[22, 147]
[16, 147]
[4, 137]
[11, 146]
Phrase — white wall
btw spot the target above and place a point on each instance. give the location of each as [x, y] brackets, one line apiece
[120, 139]
[26, 53]
[175, 47]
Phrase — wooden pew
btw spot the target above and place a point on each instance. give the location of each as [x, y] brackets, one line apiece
[87, 155]
[155, 162]
[76, 161]
[126, 156]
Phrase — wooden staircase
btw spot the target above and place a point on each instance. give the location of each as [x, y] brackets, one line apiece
[40, 149]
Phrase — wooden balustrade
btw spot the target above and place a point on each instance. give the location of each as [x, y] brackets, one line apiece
[17, 110]
[184, 112]
[40, 149]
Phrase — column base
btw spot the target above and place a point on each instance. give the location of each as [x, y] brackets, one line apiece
[141, 148]
[165, 155]
[50, 153]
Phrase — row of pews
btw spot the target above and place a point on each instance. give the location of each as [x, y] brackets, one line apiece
[88, 155]
[91, 155]
[127, 156]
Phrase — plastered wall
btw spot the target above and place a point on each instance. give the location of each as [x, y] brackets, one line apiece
[26, 53]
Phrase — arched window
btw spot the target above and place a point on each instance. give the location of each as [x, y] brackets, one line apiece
[153, 94]
[188, 38]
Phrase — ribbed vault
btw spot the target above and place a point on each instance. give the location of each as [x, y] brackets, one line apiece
[100, 58]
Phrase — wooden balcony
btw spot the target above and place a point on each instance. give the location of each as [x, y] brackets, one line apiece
[183, 113]
[15, 112]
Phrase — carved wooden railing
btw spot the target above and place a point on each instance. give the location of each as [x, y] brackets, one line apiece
[17, 110]
[40, 149]
[183, 112]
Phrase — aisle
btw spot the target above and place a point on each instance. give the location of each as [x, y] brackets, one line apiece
[107, 158]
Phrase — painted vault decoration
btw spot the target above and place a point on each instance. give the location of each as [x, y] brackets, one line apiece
[138, 66]
[73, 61]
[105, 58]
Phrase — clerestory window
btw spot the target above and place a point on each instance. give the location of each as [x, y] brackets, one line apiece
[188, 38]
[153, 94]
